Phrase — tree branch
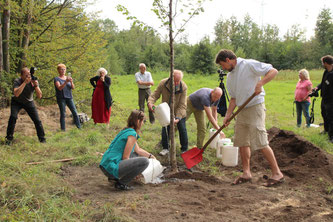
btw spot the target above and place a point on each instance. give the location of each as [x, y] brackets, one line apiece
[186, 21]
[62, 6]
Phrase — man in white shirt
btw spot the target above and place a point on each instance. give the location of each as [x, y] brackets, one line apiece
[144, 81]
[244, 79]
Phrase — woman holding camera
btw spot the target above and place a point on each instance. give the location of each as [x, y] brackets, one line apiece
[63, 86]
[302, 100]
[124, 159]
[101, 100]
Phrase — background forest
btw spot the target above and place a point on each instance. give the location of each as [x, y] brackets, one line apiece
[43, 33]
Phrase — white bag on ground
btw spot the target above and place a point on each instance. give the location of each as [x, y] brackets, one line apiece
[153, 172]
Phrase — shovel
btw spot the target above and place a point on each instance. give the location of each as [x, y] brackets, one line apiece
[194, 156]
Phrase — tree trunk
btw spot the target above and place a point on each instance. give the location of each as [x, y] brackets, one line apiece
[173, 159]
[26, 37]
[1, 55]
[6, 35]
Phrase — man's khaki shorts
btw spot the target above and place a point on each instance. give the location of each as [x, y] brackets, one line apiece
[250, 128]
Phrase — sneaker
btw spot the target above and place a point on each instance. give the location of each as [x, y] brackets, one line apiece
[121, 186]
[323, 132]
[164, 152]
[43, 140]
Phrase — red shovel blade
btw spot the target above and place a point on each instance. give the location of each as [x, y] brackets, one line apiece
[192, 157]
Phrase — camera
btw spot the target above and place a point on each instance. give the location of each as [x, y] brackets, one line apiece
[221, 73]
[32, 72]
[314, 93]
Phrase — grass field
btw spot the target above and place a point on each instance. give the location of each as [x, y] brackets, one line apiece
[38, 192]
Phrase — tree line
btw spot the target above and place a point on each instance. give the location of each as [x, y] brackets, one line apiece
[43, 33]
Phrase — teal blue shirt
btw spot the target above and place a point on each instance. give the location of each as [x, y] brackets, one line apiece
[114, 154]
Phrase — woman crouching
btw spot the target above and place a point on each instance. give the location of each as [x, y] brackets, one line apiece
[124, 159]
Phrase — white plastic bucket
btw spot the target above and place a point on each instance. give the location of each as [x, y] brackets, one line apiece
[219, 150]
[229, 155]
[153, 172]
[213, 144]
[220, 144]
[162, 113]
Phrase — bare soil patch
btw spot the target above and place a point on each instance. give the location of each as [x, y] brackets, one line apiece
[49, 115]
[306, 194]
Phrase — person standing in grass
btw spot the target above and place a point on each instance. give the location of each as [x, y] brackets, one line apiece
[326, 87]
[144, 81]
[203, 101]
[302, 100]
[101, 99]
[124, 160]
[180, 89]
[63, 86]
[245, 77]
[24, 88]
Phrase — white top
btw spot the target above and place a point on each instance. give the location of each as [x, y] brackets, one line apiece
[242, 81]
[146, 77]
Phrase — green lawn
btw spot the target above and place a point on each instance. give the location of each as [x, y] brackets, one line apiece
[36, 192]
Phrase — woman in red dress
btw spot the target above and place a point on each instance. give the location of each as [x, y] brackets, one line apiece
[101, 100]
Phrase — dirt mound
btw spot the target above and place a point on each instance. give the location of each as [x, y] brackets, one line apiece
[307, 194]
[298, 158]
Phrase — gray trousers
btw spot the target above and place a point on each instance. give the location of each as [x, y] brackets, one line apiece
[129, 169]
[143, 96]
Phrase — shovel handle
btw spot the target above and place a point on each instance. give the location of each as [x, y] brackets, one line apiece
[229, 120]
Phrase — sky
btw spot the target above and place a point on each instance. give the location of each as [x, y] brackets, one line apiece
[283, 13]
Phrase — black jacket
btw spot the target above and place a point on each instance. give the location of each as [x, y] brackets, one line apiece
[107, 94]
[326, 87]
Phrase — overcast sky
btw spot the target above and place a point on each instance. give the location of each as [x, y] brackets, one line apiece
[283, 13]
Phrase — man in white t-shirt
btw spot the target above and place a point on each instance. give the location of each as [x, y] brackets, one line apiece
[144, 81]
[244, 79]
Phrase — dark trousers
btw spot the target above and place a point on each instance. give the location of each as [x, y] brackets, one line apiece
[143, 96]
[128, 169]
[62, 106]
[30, 108]
[327, 114]
[181, 125]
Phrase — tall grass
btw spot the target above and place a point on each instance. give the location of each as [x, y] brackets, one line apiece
[38, 193]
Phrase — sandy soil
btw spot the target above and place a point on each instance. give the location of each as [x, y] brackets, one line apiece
[306, 194]
[49, 115]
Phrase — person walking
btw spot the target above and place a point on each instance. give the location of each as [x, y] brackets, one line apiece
[244, 79]
[144, 81]
[302, 99]
[101, 99]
